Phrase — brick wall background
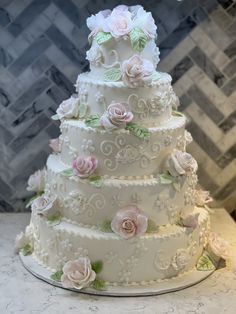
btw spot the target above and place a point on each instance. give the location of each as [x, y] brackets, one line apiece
[42, 50]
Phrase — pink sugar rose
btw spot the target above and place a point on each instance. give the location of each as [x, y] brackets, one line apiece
[119, 23]
[129, 222]
[84, 166]
[180, 163]
[137, 71]
[219, 246]
[202, 197]
[78, 274]
[190, 220]
[116, 116]
[97, 22]
[54, 143]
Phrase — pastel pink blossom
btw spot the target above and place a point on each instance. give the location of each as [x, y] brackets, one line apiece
[145, 22]
[219, 246]
[129, 222]
[54, 143]
[78, 274]
[180, 163]
[202, 197]
[119, 23]
[136, 71]
[69, 108]
[190, 220]
[116, 116]
[84, 166]
[36, 181]
[97, 22]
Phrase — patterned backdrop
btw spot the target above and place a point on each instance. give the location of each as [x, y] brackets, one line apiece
[42, 50]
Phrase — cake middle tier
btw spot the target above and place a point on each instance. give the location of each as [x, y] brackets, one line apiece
[151, 105]
[121, 154]
[82, 202]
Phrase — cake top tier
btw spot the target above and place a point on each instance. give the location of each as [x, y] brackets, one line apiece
[119, 35]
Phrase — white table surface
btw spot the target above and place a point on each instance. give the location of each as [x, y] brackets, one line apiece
[21, 292]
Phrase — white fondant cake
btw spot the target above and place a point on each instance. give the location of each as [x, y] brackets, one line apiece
[117, 202]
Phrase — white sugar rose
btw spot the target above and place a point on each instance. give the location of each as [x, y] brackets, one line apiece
[78, 274]
[94, 55]
[36, 181]
[181, 259]
[129, 222]
[44, 205]
[119, 23]
[116, 116]
[202, 197]
[218, 246]
[54, 143]
[137, 71]
[97, 22]
[21, 241]
[69, 108]
[180, 163]
[145, 21]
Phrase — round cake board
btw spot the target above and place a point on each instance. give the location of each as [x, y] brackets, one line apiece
[177, 283]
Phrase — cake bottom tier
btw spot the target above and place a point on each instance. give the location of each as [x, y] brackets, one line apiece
[171, 252]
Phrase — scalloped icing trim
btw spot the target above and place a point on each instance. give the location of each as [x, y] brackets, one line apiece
[72, 123]
[165, 78]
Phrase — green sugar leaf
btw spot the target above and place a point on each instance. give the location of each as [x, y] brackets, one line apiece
[166, 178]
[177, 113]
[205, 263]
[55, 117]
[57, 275]
[67, 172]
[138, 39]
[93, 121]
[106, 226]
[177, 186]
[103, 37]
[138, 130]
[113, 75]
[152, 226]
[27, 250]
[98, 284]
[97, 266]
[96, 180]
[54, 220]
[31, 200]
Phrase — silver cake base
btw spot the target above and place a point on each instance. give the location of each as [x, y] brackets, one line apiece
[178, 283]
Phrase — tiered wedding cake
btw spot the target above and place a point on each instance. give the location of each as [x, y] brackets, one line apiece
[117, 204]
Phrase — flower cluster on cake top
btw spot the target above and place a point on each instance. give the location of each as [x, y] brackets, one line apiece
[121, 21]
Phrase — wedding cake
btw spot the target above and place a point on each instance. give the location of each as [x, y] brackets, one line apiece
[117, 204]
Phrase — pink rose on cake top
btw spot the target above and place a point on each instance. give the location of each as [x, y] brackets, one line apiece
[121, 20]
[137, 71]
[83, 167]
[129, 222]
[116, 116]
